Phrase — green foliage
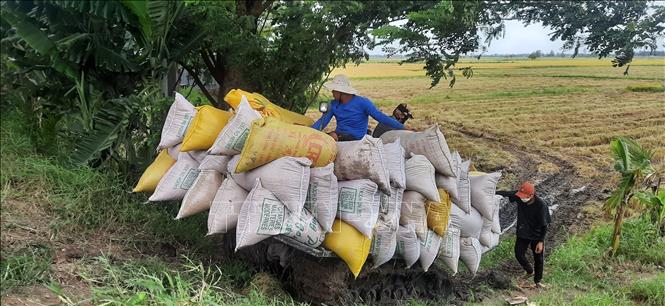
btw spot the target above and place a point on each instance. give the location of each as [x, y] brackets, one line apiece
[603, 27]
[24, 267]
[644, 237]
[154, 282]
[83, 200]
[79, 68]
[504, 251]
[633, 162]
[580, 271]
[650, 291]
[81, 71]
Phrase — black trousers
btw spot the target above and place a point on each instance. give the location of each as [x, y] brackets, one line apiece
[538, 259]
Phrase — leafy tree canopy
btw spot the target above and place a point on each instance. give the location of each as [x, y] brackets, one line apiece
[93, 55]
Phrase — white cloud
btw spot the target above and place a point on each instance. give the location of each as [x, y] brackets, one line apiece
[519, 38]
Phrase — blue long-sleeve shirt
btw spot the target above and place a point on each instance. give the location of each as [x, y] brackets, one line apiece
[352, 117]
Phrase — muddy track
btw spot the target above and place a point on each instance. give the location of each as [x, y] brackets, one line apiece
[565, 191]
[327, 280]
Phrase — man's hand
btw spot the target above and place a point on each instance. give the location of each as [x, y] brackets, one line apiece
[539, 247]
[409, 128]
[334, 136]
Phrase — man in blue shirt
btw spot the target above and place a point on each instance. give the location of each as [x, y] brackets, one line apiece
[351, 112]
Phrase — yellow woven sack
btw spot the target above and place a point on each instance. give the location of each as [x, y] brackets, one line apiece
[151, 176]
[205, 127]
[266, 108]
[270, 139]
[349, 244]
[439, 213]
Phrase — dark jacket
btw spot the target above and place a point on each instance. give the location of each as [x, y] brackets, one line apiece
[382, 128]
[532, 219]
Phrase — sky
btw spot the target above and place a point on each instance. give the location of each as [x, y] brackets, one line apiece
[524, 39]
[518, 39]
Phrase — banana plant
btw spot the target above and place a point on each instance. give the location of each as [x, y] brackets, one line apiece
[109, 51]
[633, 162]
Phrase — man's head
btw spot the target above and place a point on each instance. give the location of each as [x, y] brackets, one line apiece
[526, 192]
[402, 113]
[340, 87]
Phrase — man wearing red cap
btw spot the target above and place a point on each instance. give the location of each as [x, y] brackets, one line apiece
[533, 217]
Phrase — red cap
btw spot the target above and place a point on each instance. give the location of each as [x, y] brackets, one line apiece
[526, 191]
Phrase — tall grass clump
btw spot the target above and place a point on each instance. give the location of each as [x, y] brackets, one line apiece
[650, 291]
[83, 199]
[24, 267]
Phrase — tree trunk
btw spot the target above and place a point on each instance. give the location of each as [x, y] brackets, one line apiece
[618, 222]
[232, 79]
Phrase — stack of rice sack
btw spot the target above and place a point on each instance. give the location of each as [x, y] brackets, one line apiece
[425, 208]
[474, 217]
[183, 170]
[262, 173]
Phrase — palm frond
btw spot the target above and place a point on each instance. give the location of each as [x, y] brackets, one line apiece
[38, 40]
[621, 154]
[109, 122]
[140, 10]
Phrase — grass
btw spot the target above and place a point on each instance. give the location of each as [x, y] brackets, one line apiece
[650, 290]
[646, 88]
[24, 267]
[504, 251]
[580, 270]
[48, 208]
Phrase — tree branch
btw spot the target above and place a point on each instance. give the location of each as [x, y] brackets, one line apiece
[177, 81]
[200, 84]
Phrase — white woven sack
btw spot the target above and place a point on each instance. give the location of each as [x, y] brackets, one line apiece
[226, 206]
[263, 215]
[449, 248]
[449, 183]
[199, 155]
[395, 158]
[174, 151]
[232, 137]
[469, 224]
[363, 159]
[322, 196]
[464, 187]
[488, 238]
[390, 207]
[177, 120]
[483, 188]
[218, 163]
[408, 246]
[174, 184]
[496, 221]
[431, 143]
[470, 253]
[420, 177]
[358, 205]
[199, 197]
[384, 243]
[413, 212]
[429, 249]
[287, 177]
